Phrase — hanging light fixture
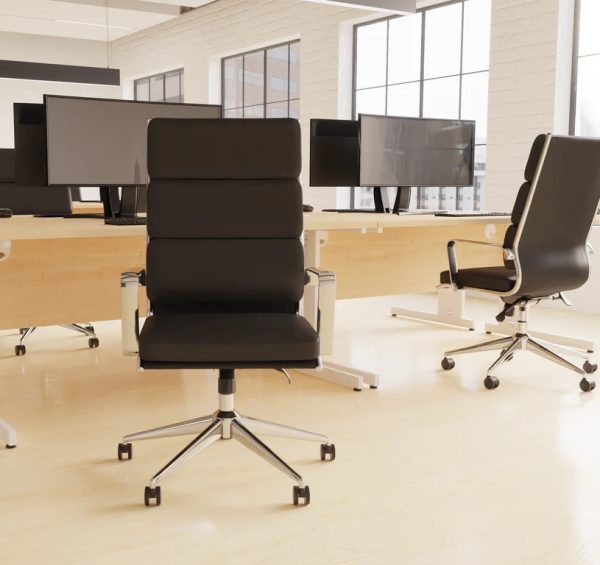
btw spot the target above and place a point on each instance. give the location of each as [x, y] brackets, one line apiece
[391, 6]
[26, 70]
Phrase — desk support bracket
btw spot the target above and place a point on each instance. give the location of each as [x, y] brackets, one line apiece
[332, 372]
[450, 309]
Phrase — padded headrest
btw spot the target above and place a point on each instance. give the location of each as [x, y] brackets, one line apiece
[534, 157]
[7, 165]
[224, 149]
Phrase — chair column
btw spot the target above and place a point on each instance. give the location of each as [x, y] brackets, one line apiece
[226, 400]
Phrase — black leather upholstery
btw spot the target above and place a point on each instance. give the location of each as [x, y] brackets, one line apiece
[551, 250]
[497, 279]
[535, 155]
[225, 265]
[228, 337]
[560, 211]
[268, 149]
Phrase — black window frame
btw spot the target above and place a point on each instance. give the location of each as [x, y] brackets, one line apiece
[421, 80]
[243, 55]
[180, 72]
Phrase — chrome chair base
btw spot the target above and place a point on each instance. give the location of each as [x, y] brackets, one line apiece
[523, 341]
[225, 424]
[87, 330]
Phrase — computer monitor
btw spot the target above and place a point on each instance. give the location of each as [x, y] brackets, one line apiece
[398, 151]
[29, 200]
[334, 153]
[30, 144]
[102, 142]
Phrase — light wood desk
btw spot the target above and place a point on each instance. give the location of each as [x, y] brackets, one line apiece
[61, 270]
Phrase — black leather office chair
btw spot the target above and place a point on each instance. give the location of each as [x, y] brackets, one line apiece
[225, 274]
[545, 248]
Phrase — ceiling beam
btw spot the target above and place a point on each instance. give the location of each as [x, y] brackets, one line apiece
[130, 5]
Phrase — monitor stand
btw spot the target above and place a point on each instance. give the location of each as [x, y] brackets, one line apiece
[120, 211]
[382, 205]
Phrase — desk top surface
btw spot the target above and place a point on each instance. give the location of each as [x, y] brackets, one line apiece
[28, 227]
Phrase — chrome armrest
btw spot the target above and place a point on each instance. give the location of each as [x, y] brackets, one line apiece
[130, 311]
[589, 248]
[326, 287]
[452, 262]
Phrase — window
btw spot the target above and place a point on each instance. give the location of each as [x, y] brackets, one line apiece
[263, 83]
[164, 87]
[585, 119]
[433, 64]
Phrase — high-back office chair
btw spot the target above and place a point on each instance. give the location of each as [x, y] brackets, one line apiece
[544, 248]
[225, 274]
[31, 200]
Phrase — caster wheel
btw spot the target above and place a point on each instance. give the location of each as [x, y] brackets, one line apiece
[448, 363]
[93, 342]
[125, 451]
[301, 496]
[491, 382]
[587, 386]
[10, 446]
[152, 494]
[590, 368]
[327, 452]
[20, 350]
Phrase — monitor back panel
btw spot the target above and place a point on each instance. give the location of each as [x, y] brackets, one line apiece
[30, 144]
[334, 153]
[97, 142]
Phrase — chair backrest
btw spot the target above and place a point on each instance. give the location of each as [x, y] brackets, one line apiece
[550, 241]
[224, 216]
[535, 155]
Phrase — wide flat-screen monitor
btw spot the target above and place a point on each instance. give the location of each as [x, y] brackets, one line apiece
[334, 153]
[103, 142]
[396, 151]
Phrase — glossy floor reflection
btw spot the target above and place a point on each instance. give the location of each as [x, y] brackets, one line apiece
[430, 469]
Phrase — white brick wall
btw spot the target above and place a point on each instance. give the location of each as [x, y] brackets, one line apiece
[529, 87]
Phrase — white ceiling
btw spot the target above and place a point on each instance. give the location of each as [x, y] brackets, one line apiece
[86, 19]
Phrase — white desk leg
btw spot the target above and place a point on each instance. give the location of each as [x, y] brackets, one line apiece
[509, 327]
[8, 434]
[450, 308]
[331, 372]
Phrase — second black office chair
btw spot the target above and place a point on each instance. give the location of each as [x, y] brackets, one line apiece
[545, 249]
[225, 275]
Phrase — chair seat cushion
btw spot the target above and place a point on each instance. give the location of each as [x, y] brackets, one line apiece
[214, 338]
[498, 279]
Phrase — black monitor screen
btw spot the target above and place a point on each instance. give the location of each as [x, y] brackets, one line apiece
[333, 153]
[98, 142]
[7, 165]
[397, 151]
[30, 144]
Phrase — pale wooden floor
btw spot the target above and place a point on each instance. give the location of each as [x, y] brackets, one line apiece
[431, 468]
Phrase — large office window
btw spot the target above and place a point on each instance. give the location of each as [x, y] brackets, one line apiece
[433, 64]
[263, 83]
[164, 87]
[585, 111]
[585, 118]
